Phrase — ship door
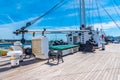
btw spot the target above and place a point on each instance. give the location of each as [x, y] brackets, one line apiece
[74, 39]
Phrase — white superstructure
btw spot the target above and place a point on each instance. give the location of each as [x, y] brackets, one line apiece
[74, 36]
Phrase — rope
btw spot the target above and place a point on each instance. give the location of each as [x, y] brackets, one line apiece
[80, 13]
[76, 17]
[99, 14]
[116, 4]
[92, 15]
[115, 9]
[110, 16]
[59, 4]
[89, 13]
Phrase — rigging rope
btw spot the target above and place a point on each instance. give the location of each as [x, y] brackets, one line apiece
[74, 5]
[22, 29]
[89, 13]
[92, 21]
[110, 16]
[99, 14]
[115, 9]
[59, 4]
[116, 4]
[80, 12]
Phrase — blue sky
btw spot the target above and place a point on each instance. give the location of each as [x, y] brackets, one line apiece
[15, 13]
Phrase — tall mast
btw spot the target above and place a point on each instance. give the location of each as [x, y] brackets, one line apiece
[82, 13]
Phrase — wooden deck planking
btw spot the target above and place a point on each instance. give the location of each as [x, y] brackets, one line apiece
[102, 65]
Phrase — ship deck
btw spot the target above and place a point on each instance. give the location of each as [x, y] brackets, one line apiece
[100, 65]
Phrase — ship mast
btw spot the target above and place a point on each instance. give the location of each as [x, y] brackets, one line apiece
[82, 14]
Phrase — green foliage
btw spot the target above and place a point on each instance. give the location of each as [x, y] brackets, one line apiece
[3, 52]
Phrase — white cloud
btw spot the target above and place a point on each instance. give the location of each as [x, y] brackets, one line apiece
[71, 4]
[76, 4]
[107, 25]
[18, 24]
[74, 27]
[103, 14]
[93, 11]
[6, 30]
[73, 14]
[110, 10]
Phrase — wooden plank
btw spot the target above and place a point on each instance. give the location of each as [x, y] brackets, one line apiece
[102, 65]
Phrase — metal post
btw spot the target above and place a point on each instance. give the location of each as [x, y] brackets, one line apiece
[82, 13]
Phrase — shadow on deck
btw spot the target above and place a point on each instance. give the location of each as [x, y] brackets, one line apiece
[6, 66]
